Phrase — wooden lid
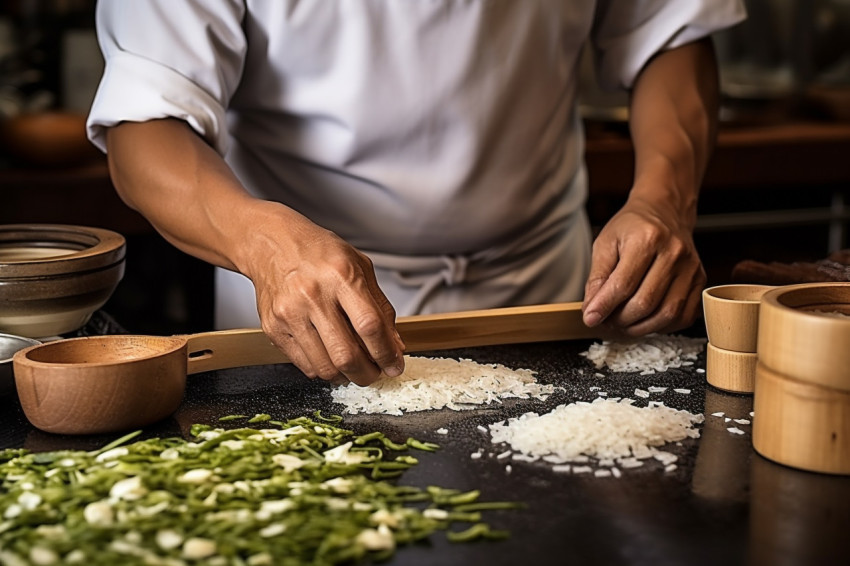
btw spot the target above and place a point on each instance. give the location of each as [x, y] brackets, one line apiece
[804, 333]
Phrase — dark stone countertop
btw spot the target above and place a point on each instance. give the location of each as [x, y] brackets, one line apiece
[723, 505]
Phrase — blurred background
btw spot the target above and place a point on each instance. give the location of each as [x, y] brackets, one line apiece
[776, 189]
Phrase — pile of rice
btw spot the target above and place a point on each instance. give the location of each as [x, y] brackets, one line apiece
[647, 355]
[436, 383]
[606, 429]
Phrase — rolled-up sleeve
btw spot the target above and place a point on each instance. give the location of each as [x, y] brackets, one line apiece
[168, 59]
[628, 33]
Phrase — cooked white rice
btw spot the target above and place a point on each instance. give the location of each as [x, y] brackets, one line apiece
[436, 383]
[647, 355]
[603, 429]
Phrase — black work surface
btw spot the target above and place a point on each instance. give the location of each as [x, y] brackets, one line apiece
[723, 504]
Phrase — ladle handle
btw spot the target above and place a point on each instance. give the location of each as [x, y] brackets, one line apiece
[211, 351]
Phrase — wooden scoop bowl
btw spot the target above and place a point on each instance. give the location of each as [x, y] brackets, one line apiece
[114, 383]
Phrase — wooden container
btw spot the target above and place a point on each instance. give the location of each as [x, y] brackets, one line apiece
[804, 333]
[801, 425]
[730, 371]
[732, 315]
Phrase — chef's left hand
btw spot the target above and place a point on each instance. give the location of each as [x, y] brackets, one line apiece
[645, 273]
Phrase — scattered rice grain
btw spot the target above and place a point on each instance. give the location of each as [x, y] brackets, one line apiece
[437, 383]
[647, 355]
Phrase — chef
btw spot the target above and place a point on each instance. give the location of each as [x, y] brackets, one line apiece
[344, 161]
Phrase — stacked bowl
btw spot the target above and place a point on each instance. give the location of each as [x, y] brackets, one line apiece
[802, 378]
[732, 324]
[53, 277]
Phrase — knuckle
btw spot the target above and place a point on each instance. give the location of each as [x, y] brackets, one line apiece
[640, 306]
[326, 371]
[285, 311]
[344, 359]
[367, 324]
[671, 311]
[680, 249]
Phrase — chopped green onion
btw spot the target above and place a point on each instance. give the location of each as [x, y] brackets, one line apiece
[260, 418]
[419, 445]
[119, 441]
[232, 418]
[480, 530]
[306, 492]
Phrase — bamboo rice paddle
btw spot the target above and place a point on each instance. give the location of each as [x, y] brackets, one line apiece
[113, 383]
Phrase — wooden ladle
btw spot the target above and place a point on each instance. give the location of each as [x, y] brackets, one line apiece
[113, 383]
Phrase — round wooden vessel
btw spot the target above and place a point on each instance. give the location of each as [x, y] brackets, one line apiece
[54, 277]
[732, 315]
[801, 425]
[73, 387]
[730, 371]
[804, 333]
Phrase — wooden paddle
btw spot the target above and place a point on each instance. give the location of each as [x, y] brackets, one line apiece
[113, 383]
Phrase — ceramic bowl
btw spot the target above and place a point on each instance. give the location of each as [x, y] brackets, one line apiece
[54, 277]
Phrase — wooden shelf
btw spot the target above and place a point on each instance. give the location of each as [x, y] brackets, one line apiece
[782, 155]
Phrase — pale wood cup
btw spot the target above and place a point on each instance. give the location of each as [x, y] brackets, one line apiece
[730, 371]
[732, 315]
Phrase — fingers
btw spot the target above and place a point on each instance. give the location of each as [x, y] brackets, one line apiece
[614, 276]
[677, 309]
[351, 341]
[347, 334]
[644, 278]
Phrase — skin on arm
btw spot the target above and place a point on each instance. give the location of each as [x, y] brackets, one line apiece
[317, 296]
[645, 274]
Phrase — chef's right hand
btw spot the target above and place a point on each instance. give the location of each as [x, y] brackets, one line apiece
[317, 296]
[320, 303]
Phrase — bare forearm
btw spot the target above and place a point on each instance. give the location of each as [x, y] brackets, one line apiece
[673, 126]
[645, 273]
[317, 297]
[184, 188]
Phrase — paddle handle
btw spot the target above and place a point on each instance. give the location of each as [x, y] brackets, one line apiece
[211, 351]
[492, 327]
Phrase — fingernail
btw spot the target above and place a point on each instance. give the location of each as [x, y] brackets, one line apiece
[592, 318]
[393, 371]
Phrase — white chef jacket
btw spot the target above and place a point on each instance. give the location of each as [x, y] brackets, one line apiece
[439, 137]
